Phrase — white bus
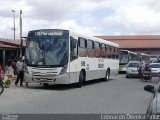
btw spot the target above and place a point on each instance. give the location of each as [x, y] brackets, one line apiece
[55, 56]
[124, 57]
[145, 57]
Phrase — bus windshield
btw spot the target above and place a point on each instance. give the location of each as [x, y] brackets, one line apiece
[123, 57]
[47, 51]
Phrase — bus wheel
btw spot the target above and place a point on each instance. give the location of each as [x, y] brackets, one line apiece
[81, 79]
[107, 75]
[26, 84]
[45, 84]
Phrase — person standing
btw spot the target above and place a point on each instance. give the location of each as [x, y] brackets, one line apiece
[14, 66]
[8, 75]
[9, 70]
[141, 67]
[20, 72]
[1, 72]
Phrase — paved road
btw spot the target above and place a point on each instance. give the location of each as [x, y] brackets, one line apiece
[118, 95]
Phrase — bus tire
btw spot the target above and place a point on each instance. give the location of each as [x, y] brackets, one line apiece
[81, 79]
[107, 75]
[45, 84]
[26, 84]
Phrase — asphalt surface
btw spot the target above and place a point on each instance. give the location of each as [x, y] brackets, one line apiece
[118, 95]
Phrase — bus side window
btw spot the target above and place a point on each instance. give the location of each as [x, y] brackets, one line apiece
[107, 51]
[73, 48]
[82, 47]
[103, 50]
[117, 53]
[97, 49]
[114, 53]
[90, 48]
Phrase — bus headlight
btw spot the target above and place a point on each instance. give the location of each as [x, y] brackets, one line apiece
[64, 69]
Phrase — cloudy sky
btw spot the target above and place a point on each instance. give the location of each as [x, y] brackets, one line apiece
[91, 17]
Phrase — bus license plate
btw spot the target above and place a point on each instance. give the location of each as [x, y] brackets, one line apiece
[41, 79]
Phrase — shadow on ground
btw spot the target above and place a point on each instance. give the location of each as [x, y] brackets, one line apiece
[64, 86]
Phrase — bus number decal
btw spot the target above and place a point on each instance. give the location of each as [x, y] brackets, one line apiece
[100, 65]
[82, 63]
[87, 68]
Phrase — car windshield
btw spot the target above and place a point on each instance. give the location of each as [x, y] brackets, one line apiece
[154, 65]
[133, 65]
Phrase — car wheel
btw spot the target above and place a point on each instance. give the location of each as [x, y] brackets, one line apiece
[127, 76]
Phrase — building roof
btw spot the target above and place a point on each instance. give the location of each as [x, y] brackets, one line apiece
[142, 41]
[132, 37]
[5, 43]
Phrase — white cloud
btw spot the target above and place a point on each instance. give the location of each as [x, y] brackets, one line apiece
[72, 25]
[122, 17]
[116, 33]
[134, 18]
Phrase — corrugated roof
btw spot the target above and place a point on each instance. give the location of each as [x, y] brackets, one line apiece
[146, 41]
[10, 43]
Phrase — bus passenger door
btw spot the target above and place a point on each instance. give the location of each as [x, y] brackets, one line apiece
[73, 60]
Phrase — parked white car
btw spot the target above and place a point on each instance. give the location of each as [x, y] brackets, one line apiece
[132, 69]
[155, 69]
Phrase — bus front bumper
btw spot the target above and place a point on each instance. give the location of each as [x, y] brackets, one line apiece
[60, 79]
[123, 69]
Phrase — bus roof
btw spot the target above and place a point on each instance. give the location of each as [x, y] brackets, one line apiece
[128, 51]
[80, 35]
[95, 39]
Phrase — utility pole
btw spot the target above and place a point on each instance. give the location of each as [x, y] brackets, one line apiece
[20, 24]
[14, 28]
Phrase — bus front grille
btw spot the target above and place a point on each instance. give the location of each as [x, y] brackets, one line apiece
[48, 74]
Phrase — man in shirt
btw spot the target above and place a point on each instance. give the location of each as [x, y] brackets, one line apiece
[20, 72]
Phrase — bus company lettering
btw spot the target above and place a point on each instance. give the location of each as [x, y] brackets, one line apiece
[82, 63]
[87, 68]
[100, 65]
[50, 33]
[100, 60]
